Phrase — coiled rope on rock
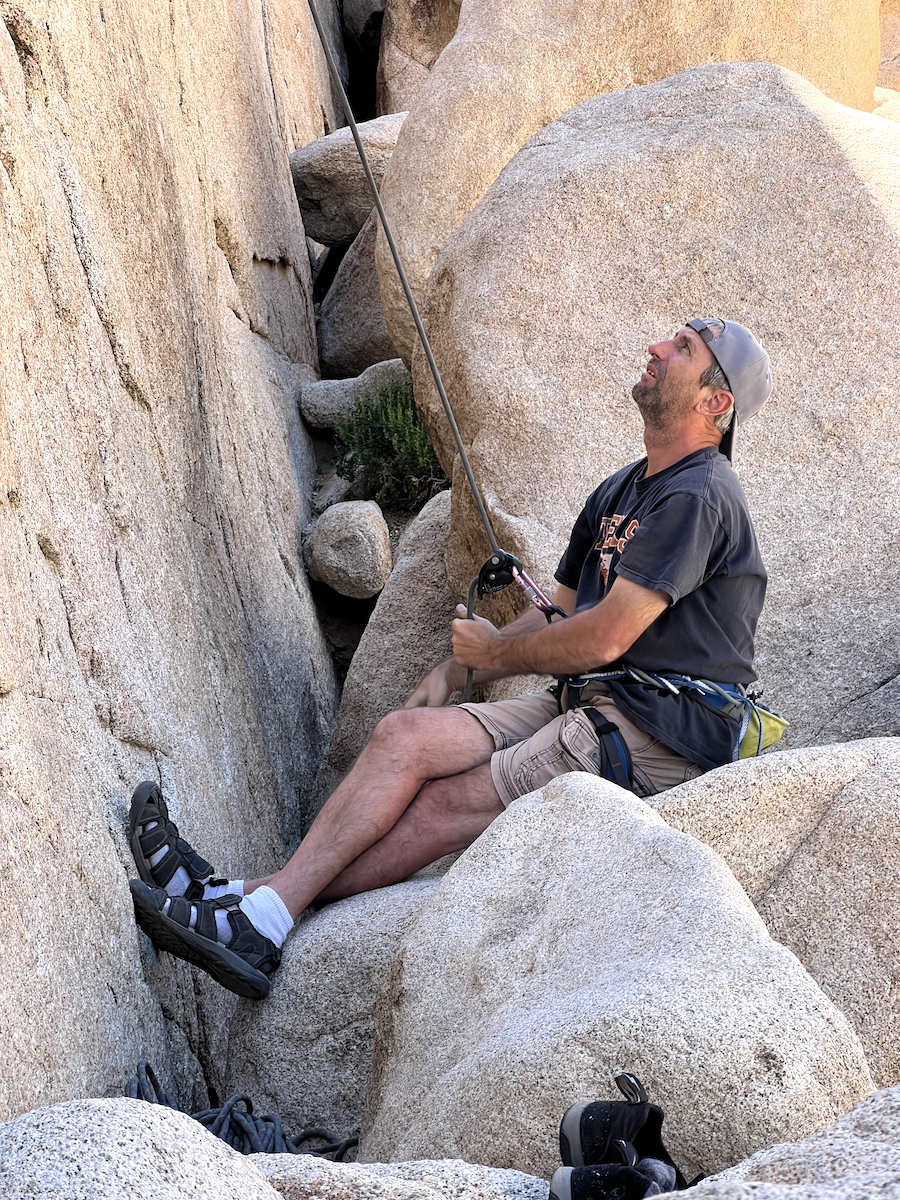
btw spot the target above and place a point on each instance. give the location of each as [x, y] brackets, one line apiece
[243, 1130]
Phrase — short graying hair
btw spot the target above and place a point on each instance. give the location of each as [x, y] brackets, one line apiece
[714, 377]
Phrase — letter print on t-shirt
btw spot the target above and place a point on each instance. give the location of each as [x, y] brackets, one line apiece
[609, 541]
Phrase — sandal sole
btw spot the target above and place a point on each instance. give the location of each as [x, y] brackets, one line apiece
[142, 794]
[225, 967]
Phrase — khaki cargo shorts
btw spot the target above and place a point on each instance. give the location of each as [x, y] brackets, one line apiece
[535, 744]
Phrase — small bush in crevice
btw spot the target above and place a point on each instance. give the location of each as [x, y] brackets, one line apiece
[386, 452]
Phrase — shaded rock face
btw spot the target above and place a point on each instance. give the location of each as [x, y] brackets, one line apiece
[413, 34]
[516, 65]
[307, 1178]
[592, 245]
[330, 182]
[351, 329]
[360, 16]
[121, 1150]
[305, 1054]
[812, 837]
[407, 635]
[578, 937]
[856, 1158]
[157, 324]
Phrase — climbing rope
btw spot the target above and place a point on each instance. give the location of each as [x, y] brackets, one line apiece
[242, 1129]
[502, 568]
[410, 299]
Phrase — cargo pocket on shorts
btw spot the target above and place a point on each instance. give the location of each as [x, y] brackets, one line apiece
[570, 750]
[581, 743]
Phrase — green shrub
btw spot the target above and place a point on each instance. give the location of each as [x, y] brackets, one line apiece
[385, 450]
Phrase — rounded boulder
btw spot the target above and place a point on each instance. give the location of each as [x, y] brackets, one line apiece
[349, 548]
[121, 1150]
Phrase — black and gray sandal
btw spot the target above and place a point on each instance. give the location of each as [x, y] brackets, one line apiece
[149, 808]
[188, 930]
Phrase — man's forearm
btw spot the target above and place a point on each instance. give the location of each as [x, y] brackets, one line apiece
[563, 648]
[592, 638]
[530, 621]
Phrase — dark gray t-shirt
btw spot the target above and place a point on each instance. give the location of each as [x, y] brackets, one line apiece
[685, 531]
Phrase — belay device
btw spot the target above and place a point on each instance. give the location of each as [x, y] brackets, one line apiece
[502, 568]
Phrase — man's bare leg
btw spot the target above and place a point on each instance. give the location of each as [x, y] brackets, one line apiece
[408, 749]
[446, 816]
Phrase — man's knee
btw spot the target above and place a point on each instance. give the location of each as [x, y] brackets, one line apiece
[398, 729]
[417, 727]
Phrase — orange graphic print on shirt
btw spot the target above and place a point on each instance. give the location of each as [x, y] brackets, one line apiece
[610, 541]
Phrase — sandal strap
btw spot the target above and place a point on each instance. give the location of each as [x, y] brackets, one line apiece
[196, 889]
[165, 836]
[249, 943]
[202, 913]
[179, 853]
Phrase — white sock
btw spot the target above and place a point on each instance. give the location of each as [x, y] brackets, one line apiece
[180, 881]
[268, 914]
[231, 887]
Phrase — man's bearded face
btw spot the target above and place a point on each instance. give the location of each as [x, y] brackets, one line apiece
[660, 399]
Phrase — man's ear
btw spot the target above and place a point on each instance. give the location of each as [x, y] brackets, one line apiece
[715, 403]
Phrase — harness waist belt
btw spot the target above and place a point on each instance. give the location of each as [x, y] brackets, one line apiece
[728, 700]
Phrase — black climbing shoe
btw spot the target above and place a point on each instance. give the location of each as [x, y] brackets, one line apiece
[608, 1181]
[243, 966]
[588, 1132]
[149, 808]
[622, 1177]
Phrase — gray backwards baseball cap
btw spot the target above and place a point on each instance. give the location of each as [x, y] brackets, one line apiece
[745, 366]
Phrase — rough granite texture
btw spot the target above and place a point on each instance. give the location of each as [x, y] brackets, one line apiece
[799, 239]
[514, 66]
[121, 1150]
[813, 837]
[449, 1179]
[413, 34]
[408, 633]
[351, 329]
[349, 548]
[157, 325]
[578, 937]
[306, 1052]
[857, 1158]
[330, 182]
[324, 403]
[887, 103]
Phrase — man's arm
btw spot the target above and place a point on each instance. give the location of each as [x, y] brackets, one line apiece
[593, 638]
[448, 677]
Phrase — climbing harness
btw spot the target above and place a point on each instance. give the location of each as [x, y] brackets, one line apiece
[758, 726]
[502, 568]
[244, 1131]
[612, 756]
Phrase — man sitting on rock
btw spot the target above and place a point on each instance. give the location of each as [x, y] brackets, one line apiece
[662, 573]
